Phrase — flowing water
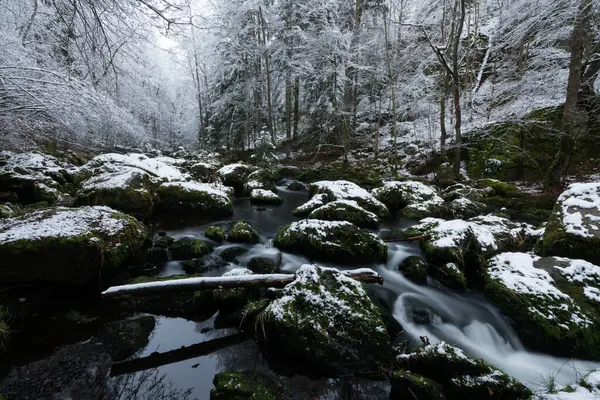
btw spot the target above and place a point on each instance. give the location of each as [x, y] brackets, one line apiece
[464, 320]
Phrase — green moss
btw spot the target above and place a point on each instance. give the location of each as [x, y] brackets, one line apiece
[500, 188]
[337, 211]
[133, 200]
[188, 248]
[242, 232]
[341, 244]
[215, 233]
[231, 385]
[406, 385]
[414, 269]
[366, 177]
[176, 198]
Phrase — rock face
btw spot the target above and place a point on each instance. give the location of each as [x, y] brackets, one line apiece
[194, 196]
[460, 376]
[345, 190]
[67, 245]
[336, 241]
[345, 210]
[328, 321]
[553, 302]
[574, 226]
[78, 371]
[126, 189]
[398, 194]
[243, 385]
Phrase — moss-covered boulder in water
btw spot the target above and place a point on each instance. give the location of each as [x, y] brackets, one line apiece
[236, 298]
[67, 245]
[245, 385]
[318, 200]
[399, 194]
[414, 269]
[552, 302]
[203, 264]
[206, 198]
[261, 179]
[461, 376]
[430, 208]
[127, 189]
[345, 210]
[242, 232]
[449, 275]
[335, 241]
[345, 190]
[124, 338]
[215, 233]
[406, 385]
[231, 252]
[266, 263]
[327, 321]
[574, 226]
[263, 196]
[188, 248]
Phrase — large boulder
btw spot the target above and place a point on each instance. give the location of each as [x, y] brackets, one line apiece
[67, 245]
[328, 321]
[552, 302]
[126, 189]
[315, 202]
[399, 194]
[243, 232]
[162, 169]
[574, 226]
[235, 175]
[462, 377]
[468, 243]
[188, 248]
[205, 198]
[335, 241]
[263, 196]
[345, 210]
[345, 190]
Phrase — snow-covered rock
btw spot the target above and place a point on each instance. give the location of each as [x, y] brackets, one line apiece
[162, 169]
[550, 300]
[327, 320]
[434, 207]
[336, 241]
[66, 245]
[235, 175]
[263, 196]
[345, 210]
[345, 190]
[315, 202]
[204, 171]
[574, 226]
[586, 388]
[242, 232]
[127, 189]
[461, 376]
[399, 194]
[206, 198]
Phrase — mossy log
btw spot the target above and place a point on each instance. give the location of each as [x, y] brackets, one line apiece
[221, 282]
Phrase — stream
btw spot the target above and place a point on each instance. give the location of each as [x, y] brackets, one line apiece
[464, 320]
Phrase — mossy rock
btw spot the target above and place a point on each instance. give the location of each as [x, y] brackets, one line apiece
[492, 386]
[346, 190]
[129, 190]
[265, 264]
[346, 210]
[204, 264]
[65, 245]
[263, 196]
[414, 269]
[316, 201]
[157, 256]
[231, 253]
[215, 233]
[235, 175]
[164, 241]
[9, 210]
[398, 194]
[359, 175]
[295, 186]
[573, 229]
[229, 300]
[335, 241]
[547, 307]
[188, 248]
[406, 385]
[449, 275]
[500, 188]
[426, 209]
[194, 197]
[326, 321]
[124, 338]
[251, 385]
[242, 232]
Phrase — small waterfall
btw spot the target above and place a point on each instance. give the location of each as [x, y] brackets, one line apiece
[474, 326]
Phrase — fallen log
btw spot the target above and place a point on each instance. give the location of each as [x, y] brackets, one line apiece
[156, 359]
[365, 275]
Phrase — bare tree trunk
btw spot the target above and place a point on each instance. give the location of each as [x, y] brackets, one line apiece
[296, 106]
[268, 75]
[456, 88]
[25, 31]
[388, 59]
[443, 130]
[579, 41]
[220, 282]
